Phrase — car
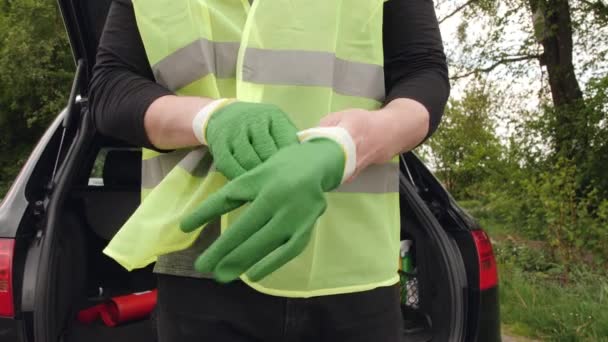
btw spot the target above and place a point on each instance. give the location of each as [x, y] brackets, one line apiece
[77, 188]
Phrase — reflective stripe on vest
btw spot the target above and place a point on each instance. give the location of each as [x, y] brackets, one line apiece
[303, 68]
[310, 58]
[375, 179]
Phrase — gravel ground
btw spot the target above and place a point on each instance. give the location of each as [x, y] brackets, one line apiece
[507, 338]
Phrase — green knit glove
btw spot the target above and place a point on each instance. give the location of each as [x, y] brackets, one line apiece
[286, 196]
[242, 135]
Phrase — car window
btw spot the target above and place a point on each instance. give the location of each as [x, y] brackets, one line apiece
[96, 176]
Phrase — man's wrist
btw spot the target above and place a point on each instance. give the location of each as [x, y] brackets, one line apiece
[201, 119]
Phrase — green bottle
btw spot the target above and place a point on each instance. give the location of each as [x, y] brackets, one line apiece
[406, 257]
[409, 282]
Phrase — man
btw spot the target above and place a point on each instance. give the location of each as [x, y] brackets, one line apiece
[303, 106]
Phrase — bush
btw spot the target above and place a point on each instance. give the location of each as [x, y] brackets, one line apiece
[37, 69]
[549, 206]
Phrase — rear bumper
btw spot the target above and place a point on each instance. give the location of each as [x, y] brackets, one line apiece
[12, 330]
[489, 316]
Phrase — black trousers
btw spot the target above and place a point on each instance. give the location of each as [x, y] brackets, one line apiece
[202, 310]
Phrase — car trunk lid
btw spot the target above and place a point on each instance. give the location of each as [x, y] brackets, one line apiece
[84, 21]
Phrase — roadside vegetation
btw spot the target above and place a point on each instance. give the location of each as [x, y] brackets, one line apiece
[542, 298]
[36, 70]
[524, 147]
[546, 214]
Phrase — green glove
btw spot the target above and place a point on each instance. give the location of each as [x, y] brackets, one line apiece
[242, 135]
[286, 196]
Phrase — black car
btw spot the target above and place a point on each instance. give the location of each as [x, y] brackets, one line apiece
[77, 188]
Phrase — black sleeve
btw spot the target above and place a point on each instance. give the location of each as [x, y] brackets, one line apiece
[122, 87]
[415, 65]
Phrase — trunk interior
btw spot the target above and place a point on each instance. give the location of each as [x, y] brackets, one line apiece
[83, 276]
[94, 212]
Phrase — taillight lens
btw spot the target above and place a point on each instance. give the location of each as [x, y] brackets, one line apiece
[7, 247]
[488, 272]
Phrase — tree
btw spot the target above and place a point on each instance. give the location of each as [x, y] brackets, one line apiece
[555, 34]
[466, 152]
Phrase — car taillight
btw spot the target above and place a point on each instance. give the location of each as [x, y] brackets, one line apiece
[488, 272]
[7, 308]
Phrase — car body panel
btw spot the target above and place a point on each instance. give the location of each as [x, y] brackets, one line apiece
[11, 330]
[15, 201]
[84, 24]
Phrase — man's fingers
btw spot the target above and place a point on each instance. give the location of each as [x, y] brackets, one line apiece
[251, 251]
[226, 163]
[280, 256]
[262, 140]
[290, 249]
[244, 153]
[283, 132]
[213, 207]
[249, 222]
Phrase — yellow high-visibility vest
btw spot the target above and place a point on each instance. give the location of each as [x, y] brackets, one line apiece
[310, 58]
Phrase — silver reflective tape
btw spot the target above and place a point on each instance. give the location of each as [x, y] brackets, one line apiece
[283, 67]
[311, 68]
[153, 170]
[196, 162]
[195, 61]
[192, 159]
[376, 179]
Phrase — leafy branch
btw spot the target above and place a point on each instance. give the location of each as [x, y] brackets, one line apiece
[502, 61]
[458, 9]
[598, 8]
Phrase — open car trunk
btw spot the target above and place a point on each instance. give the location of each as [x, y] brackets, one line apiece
[433, 297]
[91, 279]
[104, 193]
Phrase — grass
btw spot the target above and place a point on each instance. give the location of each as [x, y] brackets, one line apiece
[544, 299]
[536, 307]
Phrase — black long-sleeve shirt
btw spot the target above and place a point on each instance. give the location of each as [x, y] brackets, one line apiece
[123, 85]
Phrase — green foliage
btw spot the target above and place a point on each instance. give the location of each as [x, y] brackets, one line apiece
[37, 69]
[524, 181]
[543, 297]
[597, 148]
[528, 257]
[547, 212]
[465, 152]
[533, 305]
[546, 206]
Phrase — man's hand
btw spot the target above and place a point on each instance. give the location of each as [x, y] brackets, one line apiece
[286, 196]
[243, 135]
[240, 135]
[381, 134]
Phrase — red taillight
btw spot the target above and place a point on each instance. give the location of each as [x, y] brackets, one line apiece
[488, 273]
[7, 308]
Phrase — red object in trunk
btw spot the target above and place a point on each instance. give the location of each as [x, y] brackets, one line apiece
[121, 309]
